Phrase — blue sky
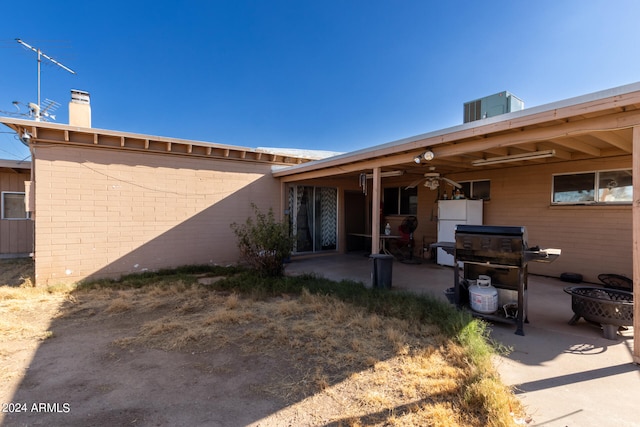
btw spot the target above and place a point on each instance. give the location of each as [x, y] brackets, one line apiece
[330, 75]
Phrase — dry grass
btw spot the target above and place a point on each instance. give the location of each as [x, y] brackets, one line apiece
[385, 371]
[17, 272]
[20, 304]
[352, 366]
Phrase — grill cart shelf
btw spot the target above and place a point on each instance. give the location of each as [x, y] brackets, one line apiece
[500, 252]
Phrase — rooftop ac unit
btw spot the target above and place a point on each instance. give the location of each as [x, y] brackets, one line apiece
[493, 105]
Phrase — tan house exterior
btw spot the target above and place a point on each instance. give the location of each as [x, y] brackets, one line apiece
[109, 203]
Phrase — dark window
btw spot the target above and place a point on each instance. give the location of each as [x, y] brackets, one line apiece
[400, 201]
[476, 189]
[391, 206]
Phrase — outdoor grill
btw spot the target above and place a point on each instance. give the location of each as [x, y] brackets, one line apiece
[502, 253]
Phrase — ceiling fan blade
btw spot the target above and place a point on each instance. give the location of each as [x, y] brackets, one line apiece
[452, 182]
[414, 183]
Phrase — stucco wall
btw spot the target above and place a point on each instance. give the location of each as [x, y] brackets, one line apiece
[16, 235]
[593, 239]
[105, 213]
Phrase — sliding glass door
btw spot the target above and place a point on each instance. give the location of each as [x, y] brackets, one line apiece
[313, 216]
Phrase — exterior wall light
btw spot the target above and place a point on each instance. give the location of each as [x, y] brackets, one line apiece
[427, 155]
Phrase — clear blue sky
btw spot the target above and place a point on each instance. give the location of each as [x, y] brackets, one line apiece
[333, 75]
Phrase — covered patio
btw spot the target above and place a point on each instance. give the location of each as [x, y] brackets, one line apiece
[524, 158]
[563, 374]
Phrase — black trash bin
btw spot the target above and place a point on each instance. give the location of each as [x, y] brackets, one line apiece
[381, 270]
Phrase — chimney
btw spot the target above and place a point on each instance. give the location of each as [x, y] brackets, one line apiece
[80, 109]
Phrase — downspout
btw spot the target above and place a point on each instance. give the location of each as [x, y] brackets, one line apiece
[32, 197]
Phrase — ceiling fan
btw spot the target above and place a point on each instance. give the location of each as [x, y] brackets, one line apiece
[432, 181]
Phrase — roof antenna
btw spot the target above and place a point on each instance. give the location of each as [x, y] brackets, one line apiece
[37, 111]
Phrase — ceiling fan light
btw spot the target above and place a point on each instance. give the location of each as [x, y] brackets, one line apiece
[432, 184]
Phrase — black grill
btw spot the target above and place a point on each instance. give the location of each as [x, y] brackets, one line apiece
[500, 252]
[489, 244]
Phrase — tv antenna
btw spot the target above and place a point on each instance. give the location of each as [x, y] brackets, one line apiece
[37, 109]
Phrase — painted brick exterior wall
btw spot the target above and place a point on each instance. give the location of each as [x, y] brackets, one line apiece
[593, 239]
[105, 213]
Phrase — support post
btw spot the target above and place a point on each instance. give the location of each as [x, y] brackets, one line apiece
[635, 213]
[375, 212]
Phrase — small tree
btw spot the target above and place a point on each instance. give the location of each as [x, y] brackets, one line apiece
[264, 243]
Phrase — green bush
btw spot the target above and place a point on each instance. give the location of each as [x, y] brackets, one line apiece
[264, 243]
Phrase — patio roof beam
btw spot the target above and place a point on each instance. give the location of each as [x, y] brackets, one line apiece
[577, 145]
[351, 167]
[616, 140]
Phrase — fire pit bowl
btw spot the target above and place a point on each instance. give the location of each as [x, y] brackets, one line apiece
[611, 308]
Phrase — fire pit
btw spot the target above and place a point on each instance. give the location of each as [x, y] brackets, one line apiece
[611, 308]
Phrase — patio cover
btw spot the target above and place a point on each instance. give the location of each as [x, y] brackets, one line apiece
[598, 125]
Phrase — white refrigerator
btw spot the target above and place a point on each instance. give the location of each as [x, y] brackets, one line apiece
[450, 214]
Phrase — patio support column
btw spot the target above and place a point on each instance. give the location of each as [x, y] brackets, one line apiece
[635, 213]
[375, 212]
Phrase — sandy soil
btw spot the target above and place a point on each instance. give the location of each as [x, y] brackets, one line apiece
[78, 377]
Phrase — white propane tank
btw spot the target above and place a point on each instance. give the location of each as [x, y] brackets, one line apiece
[483, 296]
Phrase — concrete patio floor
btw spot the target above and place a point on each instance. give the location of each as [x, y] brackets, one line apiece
[565, 375]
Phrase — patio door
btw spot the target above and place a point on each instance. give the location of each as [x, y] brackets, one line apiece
[314, 218]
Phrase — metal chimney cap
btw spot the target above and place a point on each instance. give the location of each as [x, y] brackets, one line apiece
[80, 96]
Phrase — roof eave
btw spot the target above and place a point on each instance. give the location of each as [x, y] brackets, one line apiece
[561, 110]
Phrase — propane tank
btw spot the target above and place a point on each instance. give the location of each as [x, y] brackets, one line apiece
[482, 296]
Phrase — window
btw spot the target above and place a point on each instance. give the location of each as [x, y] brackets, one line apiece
[613, 186]
[400, 201]
[13, 205]
[477, 189]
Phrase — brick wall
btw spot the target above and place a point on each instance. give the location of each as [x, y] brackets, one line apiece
[105, 213]
[593, 239]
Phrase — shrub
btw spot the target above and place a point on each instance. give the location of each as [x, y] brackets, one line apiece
[264, 243]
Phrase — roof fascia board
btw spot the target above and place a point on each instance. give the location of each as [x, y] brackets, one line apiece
[185, 147]
[15, 164]
[30, 123]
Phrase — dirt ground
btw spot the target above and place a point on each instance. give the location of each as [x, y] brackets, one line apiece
[184, 355]
[85, 380]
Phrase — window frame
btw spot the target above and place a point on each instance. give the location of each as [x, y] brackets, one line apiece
[398, 203]
[596, 189]
[2, 205]
[471, 182]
